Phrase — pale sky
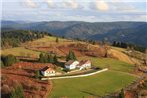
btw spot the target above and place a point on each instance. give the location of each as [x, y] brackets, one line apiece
[75, 10]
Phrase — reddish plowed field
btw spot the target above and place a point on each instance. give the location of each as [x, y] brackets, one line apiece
[23, 73]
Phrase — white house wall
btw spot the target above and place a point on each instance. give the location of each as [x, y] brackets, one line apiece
[72, 66]
[45, 73]
[49, 74]
[85, 66]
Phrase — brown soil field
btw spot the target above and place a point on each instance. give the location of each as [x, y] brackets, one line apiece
[23, 73]
[48, 44]
[80, 49]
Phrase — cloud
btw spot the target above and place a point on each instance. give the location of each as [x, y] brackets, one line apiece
[71, 3]
[123, 7]
[78, 10]
[30, 3]
[62, 4]
[101, 5]
[49, 2]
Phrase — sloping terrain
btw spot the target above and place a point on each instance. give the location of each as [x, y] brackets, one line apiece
[135, 35]
[23, 73]
[48, 44]
[120, 56]
[119, 64]
[112, 31]
[90, 87]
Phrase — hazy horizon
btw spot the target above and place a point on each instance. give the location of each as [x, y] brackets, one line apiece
[69, 21]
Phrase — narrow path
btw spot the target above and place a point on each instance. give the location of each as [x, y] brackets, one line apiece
[85, 75]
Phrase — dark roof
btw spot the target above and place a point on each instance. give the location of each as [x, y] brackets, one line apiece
[69, 62]
[84, 62]
[45, 68]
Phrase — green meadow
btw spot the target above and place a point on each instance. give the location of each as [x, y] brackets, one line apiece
[110, 63]
[100, 84]
[96, 85]
[20, 51]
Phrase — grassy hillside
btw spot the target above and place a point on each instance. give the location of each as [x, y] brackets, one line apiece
[42, 42]
[20, 51]
[47, 41]
[50, 39]
[101, 84]
[96, 85]
[118, 54]
[118, 76]
[135, 57]
[110, 63]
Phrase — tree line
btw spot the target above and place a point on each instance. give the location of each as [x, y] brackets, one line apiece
[127, 45]
[15, 37]
[43, 58]
[50, 58]
[47, 58]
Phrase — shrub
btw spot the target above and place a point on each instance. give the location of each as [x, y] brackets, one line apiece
[37, 74]
[5, 89]
[66, 70]
[1, 64]
[9, 60]
[18, 92]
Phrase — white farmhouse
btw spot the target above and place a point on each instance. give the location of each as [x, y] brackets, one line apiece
[47, 71]
[71, 64]
[84, 64]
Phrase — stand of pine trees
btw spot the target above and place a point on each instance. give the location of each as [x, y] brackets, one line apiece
[71, 56]
[45, 58]
[131, 46]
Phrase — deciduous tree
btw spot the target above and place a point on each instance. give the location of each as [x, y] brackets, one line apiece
[9, 60]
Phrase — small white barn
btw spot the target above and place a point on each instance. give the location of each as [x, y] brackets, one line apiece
[47, 71]
[71, 64]
[84, 64]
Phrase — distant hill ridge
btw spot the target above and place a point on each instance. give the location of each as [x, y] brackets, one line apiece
[132, 32]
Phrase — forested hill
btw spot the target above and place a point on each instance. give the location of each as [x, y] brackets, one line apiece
[136, 35]
[86, 30]
[15, 37]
